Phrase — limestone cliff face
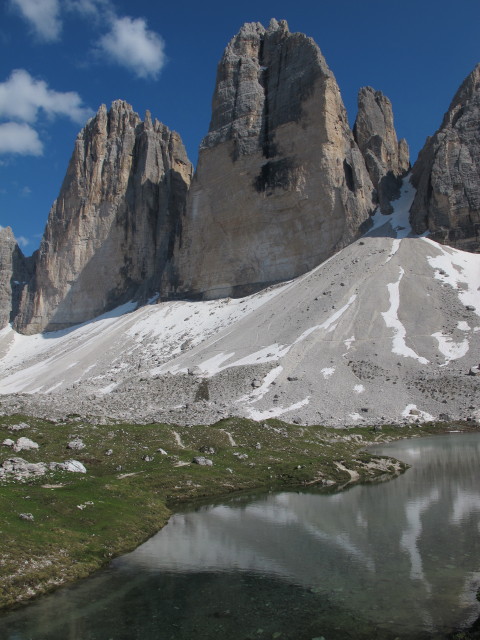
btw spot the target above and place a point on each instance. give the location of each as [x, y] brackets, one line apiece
[111, 231]
[387, 159]
[280, 183]
[14, 275]
[447, 173]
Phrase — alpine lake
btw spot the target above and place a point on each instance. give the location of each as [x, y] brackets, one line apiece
[398, 558]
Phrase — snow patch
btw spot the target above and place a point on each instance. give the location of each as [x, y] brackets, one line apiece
[359, 388]
[393, 322]
[460, 270]
[421, 415]
[397, 224]
[254, 414]
[327, 372]
[450, 349]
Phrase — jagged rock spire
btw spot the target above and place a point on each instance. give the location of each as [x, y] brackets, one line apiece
[109, 234]
[280, 183]
[447, 173]
[387, 159]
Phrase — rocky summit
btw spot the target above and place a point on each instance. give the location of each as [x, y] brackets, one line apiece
[447, 173]
[110, 233]
[280, 184]
[387, 159]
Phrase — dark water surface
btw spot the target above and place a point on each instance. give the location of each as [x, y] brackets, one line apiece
[399, 559]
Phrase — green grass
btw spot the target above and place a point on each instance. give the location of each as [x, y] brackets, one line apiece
[124, 499]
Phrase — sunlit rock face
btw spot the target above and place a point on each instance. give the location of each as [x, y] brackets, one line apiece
[111, 231]
[447, 173]
[386, 157]
[280, 183]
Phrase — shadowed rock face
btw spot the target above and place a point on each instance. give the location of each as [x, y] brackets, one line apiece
[111, 231]
[387, 159]
[14, 274]
[447, 173]
[280, 183]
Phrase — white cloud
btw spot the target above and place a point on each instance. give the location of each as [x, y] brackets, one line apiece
[19, 138]
[131, 44]
[22, 241]
[21, 97]
[42, 15]
[91, 8]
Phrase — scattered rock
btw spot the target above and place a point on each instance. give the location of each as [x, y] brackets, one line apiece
[162, 452]
[77, 444]
[26, 516]
[202, 461]
[148, 458]
[206, 449]
[109, 452]
[69, 465]
[20, 469]
[8, 442]
[19, 426]
[24, 444]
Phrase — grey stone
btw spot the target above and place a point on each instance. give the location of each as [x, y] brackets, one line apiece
[26, 516]
[387, 159]
[25, 444]
[109, 234]
[202, 461]
[76, 445]
[207, 449]
[446, 174]
[280, 183]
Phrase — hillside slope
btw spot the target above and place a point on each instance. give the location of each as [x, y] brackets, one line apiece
[385, 330]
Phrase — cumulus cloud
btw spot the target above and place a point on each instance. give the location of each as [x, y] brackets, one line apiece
[131, 44]
[42, 15]
[22, 241]
[21, 98]
[19, 138]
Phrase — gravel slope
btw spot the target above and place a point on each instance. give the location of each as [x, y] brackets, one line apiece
[386, 330]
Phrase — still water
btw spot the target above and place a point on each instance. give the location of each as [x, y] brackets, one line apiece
[399, 559]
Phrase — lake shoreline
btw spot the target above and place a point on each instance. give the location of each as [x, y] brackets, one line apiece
[137, 475]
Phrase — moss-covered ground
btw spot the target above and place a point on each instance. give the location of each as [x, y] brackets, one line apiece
[136, 474]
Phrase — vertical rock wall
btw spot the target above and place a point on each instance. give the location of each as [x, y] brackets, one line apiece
[280, 183]
[111, 231]
[14, 275]
[447, 173]
[387, 159]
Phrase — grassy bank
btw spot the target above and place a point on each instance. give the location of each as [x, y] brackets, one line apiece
[73, 523]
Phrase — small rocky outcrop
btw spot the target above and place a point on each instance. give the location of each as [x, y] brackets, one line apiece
[447, 173]
[110, 233]
[387, 159]
[14, 275]
[280, 183]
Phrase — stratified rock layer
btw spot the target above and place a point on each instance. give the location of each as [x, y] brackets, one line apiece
[14, 274]
[280, 183]
[447, 173]
[111, 231]
[387, 159]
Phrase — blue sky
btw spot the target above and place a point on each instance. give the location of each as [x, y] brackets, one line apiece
[61, 59]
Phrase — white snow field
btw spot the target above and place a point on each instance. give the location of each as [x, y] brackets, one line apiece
[385, 330]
